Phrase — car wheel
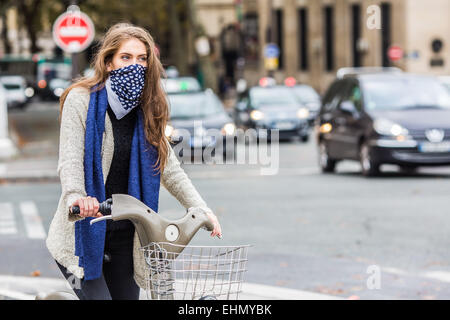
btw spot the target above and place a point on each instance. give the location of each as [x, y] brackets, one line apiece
[304, 138]
[369, 167]
[326, 164]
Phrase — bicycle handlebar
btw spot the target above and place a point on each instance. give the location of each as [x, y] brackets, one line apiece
[150, 226]
[104, 208]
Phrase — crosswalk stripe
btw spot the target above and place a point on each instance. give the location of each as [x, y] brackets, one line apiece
[32, 220]
[7, 222]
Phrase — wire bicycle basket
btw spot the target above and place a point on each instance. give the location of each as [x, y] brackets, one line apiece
[176, 272]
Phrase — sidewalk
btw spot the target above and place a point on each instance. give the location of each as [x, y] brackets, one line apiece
[29, 169]
[26, 288]
[36, 161]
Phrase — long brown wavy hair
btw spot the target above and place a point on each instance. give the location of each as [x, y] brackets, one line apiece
[153, 100]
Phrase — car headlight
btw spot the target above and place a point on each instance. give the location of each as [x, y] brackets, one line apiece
[256, 115]
[58, 92]
[388, 128]
[229, 129]
[29, 92]
[303, 113]
[169, 130]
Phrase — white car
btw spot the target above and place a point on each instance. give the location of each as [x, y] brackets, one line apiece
[446, 81]
[16, 88]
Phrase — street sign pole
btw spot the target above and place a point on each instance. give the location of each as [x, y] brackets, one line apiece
[271, 54]
[75, 68]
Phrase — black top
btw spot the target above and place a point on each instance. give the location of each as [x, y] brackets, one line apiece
[117, 180]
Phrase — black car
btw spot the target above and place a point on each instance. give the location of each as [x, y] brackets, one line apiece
[198, 120]
[384, 118]
[309, 98]
[272, 107]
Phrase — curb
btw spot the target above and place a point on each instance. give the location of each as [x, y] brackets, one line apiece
[29, 170]
[26, 288]
[29, 177]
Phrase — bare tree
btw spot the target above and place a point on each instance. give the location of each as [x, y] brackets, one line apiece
[4, 6]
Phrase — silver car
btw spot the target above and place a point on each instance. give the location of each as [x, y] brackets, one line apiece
[446, 81]
[15, 87]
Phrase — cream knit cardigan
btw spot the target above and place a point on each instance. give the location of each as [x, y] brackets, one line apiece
[61, 236]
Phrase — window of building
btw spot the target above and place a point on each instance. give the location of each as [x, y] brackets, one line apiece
[329, 37]
[356, 33]
[279, 34]
[385, 33]
[303, 39]
[251, 38]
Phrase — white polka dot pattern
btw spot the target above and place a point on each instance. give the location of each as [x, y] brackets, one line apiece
[128, 83]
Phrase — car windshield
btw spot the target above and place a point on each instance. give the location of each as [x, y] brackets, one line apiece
[10, 86]
[197, 105]
[181, 85]
[263, 97]
[405, 93]
[306, 94]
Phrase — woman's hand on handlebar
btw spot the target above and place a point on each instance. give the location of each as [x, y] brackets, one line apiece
[88, 207]
[217, 231]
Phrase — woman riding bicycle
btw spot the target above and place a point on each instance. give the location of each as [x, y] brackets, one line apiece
[112, 140]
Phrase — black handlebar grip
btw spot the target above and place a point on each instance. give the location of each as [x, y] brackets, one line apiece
[104, 208]
[75, 210]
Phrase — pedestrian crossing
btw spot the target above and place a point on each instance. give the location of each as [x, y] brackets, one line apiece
[24, 213]
[7, 221]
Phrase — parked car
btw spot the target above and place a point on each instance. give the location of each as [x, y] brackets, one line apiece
[193, 112]
[272, 107]
[16, 91]
[384, 118]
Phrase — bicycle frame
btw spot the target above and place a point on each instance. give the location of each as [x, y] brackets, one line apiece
[152, 227]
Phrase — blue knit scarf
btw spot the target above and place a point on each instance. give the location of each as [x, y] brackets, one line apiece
[143, 181]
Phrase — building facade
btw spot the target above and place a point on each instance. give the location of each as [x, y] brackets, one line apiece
[317, 37]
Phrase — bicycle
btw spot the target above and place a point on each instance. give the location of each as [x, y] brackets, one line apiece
[174, 269]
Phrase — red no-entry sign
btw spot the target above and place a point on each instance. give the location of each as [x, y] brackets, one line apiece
[73, 31]
[395, 53]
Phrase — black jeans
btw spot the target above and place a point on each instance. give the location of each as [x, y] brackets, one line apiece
[116, 282]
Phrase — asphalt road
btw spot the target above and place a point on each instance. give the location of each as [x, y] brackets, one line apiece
[309, 231]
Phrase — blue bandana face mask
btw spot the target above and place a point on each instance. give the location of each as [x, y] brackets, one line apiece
[124, 88]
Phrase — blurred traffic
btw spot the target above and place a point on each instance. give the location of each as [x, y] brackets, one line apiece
[384, 116]
[193, 112]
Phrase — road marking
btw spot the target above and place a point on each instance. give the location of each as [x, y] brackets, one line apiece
[7, 221]
[442, 276]
[32, 220]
